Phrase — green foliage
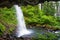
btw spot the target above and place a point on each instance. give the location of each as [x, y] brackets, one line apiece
[2, 29]
[50, 36]
[48, 8]
[7, 18]
[30, 13]
[48, 20]
[7, 15]
[46, 36]
[34, 15]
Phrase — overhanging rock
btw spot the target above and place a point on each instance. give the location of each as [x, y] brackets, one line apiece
[9, 3]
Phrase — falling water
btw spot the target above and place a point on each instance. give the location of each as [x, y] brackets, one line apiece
[21, 29]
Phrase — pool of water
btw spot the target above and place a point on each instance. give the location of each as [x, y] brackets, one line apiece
[42, 31]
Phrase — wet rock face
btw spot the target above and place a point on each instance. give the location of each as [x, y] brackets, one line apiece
[9, 3]
[19, 2]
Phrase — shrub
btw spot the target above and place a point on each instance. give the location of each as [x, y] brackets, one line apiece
[35, 16]
[8, 17]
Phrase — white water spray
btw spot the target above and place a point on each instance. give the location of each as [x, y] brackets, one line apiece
[21, 29]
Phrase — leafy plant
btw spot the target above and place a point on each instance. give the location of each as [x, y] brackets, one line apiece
[33, 15]
[7, 18]
[2, 29]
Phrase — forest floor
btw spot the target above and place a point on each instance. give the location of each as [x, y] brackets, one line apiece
[11, 37]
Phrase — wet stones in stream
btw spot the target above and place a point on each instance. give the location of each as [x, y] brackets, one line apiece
[9, 37]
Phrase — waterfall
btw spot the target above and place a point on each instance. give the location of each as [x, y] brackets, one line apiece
[21, 28]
